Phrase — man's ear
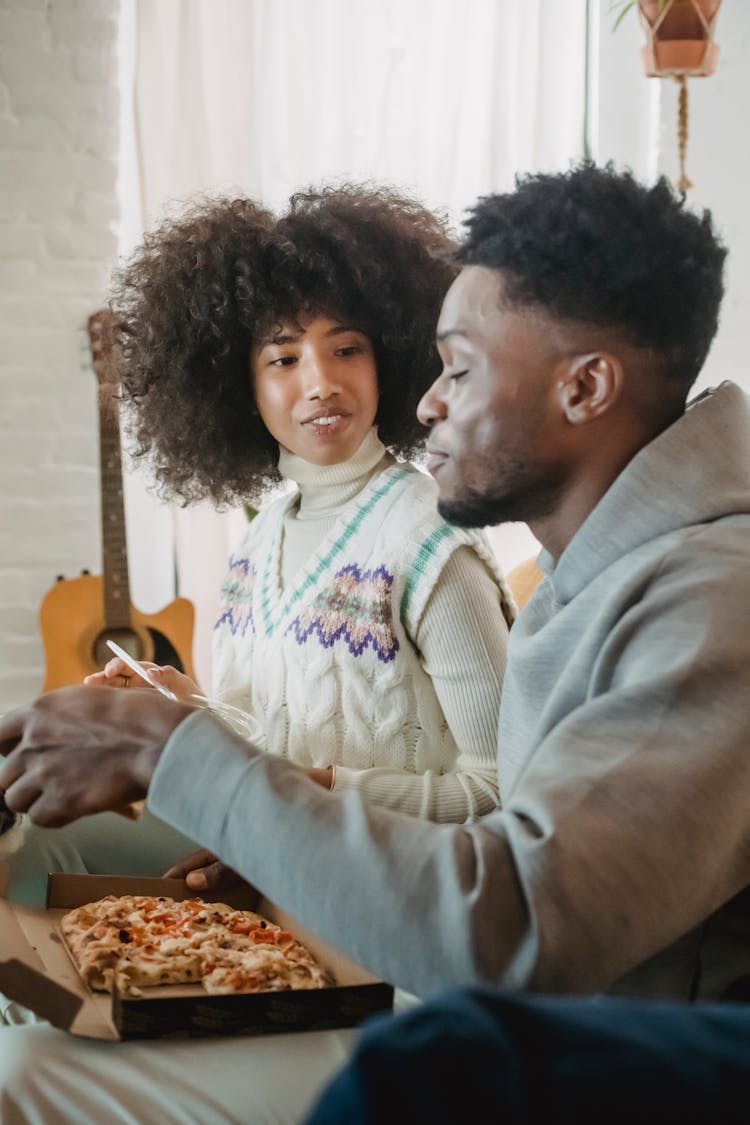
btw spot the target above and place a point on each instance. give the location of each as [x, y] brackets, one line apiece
[589, 385]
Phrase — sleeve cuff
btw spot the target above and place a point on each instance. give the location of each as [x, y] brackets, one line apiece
[345, 778]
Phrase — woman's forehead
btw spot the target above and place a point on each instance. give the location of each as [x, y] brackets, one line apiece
[293, 325]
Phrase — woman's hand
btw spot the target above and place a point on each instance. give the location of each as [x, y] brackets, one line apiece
[117, 674]
[203, 871]
[321, 775]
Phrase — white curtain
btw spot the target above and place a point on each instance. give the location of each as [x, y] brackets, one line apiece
[446, 99]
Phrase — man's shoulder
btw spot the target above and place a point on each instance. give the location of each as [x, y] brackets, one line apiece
[711, 559]
[698, 570]
[686, 579]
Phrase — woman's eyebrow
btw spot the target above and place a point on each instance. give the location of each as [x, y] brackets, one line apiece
[339, 328]
[280, 338]
[293, 337]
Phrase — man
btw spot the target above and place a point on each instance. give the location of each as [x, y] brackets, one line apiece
[618, 862]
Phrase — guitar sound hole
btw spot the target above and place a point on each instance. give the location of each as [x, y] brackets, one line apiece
[164, 651]
[125, 638]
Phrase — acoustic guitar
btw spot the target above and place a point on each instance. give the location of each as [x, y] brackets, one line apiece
[79, 615]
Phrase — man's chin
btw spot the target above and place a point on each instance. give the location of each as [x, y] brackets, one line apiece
[476, 509]
[465, 513]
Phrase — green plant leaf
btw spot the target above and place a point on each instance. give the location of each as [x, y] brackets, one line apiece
[625, 6]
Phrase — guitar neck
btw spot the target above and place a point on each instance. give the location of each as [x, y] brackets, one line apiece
[115, 576]
[79, 616]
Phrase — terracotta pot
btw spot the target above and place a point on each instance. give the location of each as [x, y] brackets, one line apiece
[695, 58]
[679, 37]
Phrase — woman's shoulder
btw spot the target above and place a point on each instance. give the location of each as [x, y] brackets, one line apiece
[271, 512]
[417, 500]
[412, 486]
[421, 540]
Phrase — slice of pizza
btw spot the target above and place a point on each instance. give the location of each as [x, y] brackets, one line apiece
[131, 941]
[246, 964]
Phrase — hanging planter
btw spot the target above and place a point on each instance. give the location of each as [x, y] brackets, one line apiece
[680, 45]
[679, 37]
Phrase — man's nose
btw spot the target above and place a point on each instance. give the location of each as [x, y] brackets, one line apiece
[431, 407]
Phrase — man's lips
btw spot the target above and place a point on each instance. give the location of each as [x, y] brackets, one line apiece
[435, 459]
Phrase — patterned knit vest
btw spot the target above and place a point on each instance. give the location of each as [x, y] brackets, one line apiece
[329, 667]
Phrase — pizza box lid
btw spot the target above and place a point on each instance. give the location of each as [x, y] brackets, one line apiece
[36, 971]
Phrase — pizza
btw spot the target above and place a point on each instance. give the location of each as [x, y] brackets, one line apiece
[130, 942]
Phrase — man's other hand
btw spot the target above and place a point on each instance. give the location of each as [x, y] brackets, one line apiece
[203, 871]
[83, 750]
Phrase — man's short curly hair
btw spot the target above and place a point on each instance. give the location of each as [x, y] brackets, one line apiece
[203, 287]
[594, 246]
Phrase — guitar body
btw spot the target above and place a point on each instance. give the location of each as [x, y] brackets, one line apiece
[74, 632]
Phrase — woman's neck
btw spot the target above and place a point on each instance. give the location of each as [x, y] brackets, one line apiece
[325, 488]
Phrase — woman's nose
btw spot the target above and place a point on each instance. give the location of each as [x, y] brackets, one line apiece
[319, 380]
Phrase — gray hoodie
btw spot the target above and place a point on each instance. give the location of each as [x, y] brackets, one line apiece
[621, 853]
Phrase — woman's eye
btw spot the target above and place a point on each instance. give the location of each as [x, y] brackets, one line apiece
[454, 376]
[283, 361]
[349, 349]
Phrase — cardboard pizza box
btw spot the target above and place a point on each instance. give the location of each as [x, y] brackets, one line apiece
[37, 971]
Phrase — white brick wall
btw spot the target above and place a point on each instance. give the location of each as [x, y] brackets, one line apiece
[58, 208]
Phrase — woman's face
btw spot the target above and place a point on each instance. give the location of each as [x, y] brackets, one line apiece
[316, 387]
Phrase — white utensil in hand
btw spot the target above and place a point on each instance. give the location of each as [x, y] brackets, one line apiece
[240, 720]
[144, 673]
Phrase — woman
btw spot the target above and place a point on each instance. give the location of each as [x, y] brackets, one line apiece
[354, 618]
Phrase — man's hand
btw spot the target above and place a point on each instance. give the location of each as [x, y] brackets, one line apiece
[203, 871]
[83, 750]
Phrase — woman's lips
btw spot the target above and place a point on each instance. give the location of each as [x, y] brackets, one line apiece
[327, 425]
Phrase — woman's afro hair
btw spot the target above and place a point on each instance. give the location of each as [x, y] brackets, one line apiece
[204, 286]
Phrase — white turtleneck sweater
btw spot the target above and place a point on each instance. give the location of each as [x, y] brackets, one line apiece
[395, 680]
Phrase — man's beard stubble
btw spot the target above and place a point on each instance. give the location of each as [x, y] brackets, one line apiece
[528, 502]
[470, 511]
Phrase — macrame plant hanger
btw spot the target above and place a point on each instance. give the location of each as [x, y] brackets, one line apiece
[680, 45]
